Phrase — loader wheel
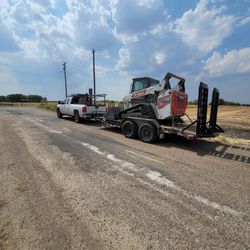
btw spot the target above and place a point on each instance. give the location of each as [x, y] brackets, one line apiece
[77, 118]
[59, 114]
[147, 133]
[129, 129]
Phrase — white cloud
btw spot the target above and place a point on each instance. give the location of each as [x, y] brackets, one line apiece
[146, 3]
[204, 28]
[245, 20]
[124, 58]
[160, 57]
[82, 26]
[233, 62]
[136, 17]
[131, 38]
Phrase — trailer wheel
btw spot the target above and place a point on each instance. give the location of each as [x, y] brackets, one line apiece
[147, 133]
[77, 118]
[129, 129]
[59, 114]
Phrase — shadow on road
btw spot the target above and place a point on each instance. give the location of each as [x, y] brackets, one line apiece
[91, 123]
[204, 147]
[200, 146]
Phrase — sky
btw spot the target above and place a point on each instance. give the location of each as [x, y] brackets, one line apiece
[200, 40]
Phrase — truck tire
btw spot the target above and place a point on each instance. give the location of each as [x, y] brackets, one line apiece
[147, 133]
[129, 129]
[59, 114]
[77, 118]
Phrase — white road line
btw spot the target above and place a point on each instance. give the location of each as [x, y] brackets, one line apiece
[122, 163]
[38, 119]
[50, 130]
[93, 148]
[148, 158]
[157, 177]
[123, 171]
[67, 130]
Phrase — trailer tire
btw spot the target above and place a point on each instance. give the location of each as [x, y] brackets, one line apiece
[77, 118]
[129, 129]
[58, 113]
[147, 133]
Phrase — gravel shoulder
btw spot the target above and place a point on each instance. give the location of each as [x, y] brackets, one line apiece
[33, 212]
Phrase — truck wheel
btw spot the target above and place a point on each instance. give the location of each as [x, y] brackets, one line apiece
[77, 118]
[59, 114]
[147, 133]
[129, 129]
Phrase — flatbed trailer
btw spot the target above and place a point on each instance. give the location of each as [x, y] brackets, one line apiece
[149, 129]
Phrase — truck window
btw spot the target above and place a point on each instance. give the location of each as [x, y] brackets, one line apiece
[75, 100]
[82, 99]
[68, 100]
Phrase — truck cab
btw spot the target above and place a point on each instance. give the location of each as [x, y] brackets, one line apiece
[81, 106]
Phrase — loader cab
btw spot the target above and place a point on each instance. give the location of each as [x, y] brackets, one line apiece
[142, 83]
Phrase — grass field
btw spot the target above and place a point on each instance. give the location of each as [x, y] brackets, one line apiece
[235, 120]
[49, 105]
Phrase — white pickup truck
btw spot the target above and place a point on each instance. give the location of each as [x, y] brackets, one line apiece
[80, 106]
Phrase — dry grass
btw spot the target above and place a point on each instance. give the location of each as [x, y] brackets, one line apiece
[237, 115]
[235, 120]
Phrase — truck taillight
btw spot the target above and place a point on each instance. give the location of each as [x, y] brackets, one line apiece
[84, 109]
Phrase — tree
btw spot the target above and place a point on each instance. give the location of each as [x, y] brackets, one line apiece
[221, 101]
[34, 98]
[194, 102]
[15, 98]
[2, 98]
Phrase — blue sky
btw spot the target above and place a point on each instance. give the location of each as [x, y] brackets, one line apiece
[200, 40]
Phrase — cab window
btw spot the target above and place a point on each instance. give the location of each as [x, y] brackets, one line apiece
[75, 100]
[154, 82]
[140, 84]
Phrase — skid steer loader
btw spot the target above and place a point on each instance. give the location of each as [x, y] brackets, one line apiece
[153, 109]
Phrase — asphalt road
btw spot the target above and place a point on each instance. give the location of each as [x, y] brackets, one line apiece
[79, 186]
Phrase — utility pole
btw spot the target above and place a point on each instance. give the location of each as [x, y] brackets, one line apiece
[93, 51]
[65, 79]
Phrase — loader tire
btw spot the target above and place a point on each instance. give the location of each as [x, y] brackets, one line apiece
[147, 133]
[77, 118]
[129, 129]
